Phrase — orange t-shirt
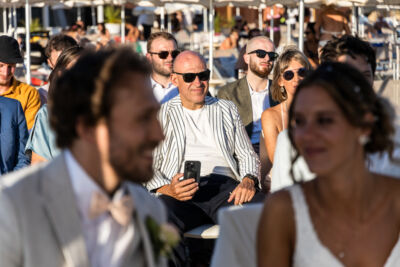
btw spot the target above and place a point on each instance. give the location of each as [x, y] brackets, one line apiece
[29, 98]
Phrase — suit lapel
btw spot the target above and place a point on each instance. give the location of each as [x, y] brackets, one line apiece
[217, 126]
[245, 98]
[139, 219]
[178, 127]
[60, 206]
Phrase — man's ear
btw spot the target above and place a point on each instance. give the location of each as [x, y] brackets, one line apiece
[174, 79]
[246, 58]
[85, 132]
[148, 56]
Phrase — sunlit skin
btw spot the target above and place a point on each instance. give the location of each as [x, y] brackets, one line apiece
[6, 74]
[271, 118]
[354, 212]
[162, 68]
[192, 94]
[54, 54]
[322, 134]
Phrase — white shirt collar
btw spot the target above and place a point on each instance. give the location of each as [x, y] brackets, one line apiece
[158, 85]
[82, 184]
[252, 92]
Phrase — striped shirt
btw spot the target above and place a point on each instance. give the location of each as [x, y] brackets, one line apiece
[230, 135]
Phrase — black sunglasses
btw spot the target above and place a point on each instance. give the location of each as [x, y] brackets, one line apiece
[164, 54]
[190, 77]
[262, 53]
[289, 74]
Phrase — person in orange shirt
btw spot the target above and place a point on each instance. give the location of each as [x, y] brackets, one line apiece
[27, 95]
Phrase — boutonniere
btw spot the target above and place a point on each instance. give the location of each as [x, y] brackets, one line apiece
[164, 237]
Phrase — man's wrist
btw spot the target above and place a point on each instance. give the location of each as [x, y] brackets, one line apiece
[252, 178]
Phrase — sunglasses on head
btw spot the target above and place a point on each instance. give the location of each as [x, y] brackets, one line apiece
[164, 54]
[190, 77]
[262, 53]
[289, 74]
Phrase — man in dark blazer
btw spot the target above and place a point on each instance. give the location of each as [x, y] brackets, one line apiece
[251, 94]
[13, 136]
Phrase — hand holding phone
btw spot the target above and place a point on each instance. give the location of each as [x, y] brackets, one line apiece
[192, 170]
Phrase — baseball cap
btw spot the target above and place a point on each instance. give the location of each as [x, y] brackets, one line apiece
[9, 50]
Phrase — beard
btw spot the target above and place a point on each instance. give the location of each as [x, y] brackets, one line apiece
[260, 72]
[126, 160]
[160, 69]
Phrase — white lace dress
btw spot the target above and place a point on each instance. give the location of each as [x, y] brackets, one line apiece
[309, 251]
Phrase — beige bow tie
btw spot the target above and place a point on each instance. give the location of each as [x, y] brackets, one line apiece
[121, 209]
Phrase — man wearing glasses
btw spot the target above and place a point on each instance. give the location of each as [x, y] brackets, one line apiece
[208, 130]
[251, 94]
[161, 52]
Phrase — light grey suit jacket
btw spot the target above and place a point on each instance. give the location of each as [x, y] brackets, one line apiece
[40, 223]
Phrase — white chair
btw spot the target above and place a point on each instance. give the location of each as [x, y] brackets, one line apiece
[206, 231]
[236, 245]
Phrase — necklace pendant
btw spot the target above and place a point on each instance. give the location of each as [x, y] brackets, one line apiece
[341, 255]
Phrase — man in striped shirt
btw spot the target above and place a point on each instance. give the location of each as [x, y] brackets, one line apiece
[206, 129]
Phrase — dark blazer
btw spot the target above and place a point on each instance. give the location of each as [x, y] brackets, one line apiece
[238, 92]
[13, 136]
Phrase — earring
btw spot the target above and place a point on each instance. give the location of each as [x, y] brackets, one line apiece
[282, 89]
[363, 140]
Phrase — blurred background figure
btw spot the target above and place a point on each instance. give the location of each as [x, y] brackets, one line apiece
[330, 23]
[335, 121]
[290, 69]
[311, 45]
[232, 41]
[278, 11]
[103, 34]
[42, 141]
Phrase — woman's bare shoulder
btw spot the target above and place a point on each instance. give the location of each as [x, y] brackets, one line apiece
[271, 113]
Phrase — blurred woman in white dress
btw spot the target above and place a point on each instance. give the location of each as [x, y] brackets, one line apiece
[346, 216]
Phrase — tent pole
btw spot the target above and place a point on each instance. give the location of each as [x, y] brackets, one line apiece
[79, 13]
[4, 20]
[45, 16]
[15, 21]
[27, 42]
[301, 26]
[205, 21]
[211, 44]
[93, 11]
[271, 24]
[162, 19]
[123, 23]
[288, 29]
[10, 25]
[260, 20]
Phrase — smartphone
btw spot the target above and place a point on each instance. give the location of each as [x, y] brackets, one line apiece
[192, 170]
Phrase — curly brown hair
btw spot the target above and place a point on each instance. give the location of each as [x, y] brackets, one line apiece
[290, 53]
[356, 98]
[86, 92]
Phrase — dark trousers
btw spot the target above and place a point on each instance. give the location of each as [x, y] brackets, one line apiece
[213, 193]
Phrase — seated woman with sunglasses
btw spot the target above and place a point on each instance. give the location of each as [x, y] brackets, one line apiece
[347, 215]
[290, 68]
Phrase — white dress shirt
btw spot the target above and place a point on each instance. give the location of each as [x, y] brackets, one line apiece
[106, 240]
[163, 94]
[200, 144]
[259, 103]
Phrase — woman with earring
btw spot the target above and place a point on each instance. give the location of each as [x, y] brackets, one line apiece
[290, 68]
[347, 215]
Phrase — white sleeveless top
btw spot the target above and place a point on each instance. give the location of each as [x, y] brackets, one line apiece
[309, 251]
